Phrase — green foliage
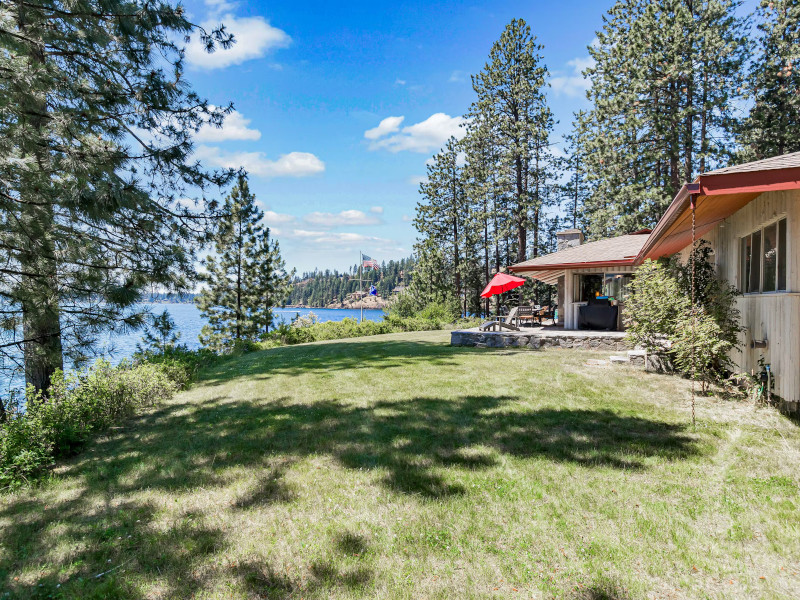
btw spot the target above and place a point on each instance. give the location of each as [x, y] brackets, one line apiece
[484, 200]
[307, 329]
[698, 338]
[773, 125]
[96, 126]
[160, 335]
[663, 88]
[655, 307]
[246, 278]
[76, 408]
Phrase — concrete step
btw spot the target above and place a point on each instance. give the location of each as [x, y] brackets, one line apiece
[619, 360]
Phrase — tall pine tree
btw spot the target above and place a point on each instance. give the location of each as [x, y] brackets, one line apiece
[245, 278]
[510, 97]
[96, 124]
[773, 126]
[441, 214]
[662, 89]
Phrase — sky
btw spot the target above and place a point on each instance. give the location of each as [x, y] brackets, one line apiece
[338, 106]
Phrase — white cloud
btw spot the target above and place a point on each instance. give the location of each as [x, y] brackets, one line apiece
[215, 7]
[407, 219]
[425, 136]
[329, 238]
[294, 164]
[350, 218]
[574, 84]
[457, 77]
[415, 180]
[399, 81]
[378, 210]
[270, 216]
[254, 36]
[385, 127]
[233, 128]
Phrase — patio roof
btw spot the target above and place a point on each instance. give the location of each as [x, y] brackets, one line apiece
[719, 195]
[611, 252]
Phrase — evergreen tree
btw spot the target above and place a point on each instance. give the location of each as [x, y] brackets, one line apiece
[663, 86]
[773, 126]
[576, 189]
[160, 335]
[441, 213]
[96, 122]
[245, 279]
[273, 282]
[510, 97]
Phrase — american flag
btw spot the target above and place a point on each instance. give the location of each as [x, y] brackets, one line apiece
[367, 262]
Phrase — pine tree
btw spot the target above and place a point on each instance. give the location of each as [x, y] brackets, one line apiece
[511, 99]
[663, 86]
[273, 282]
[773, 125]
[160, 335]
[440, 213]
[96, 122]
[245, 278]
[576, 189]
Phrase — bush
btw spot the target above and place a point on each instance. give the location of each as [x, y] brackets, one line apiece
[76, 408]
[660, 316]
[308, 329]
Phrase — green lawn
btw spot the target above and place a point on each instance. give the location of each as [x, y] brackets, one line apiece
[398, 467]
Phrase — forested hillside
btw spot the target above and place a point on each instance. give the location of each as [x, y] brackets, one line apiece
[321, 288]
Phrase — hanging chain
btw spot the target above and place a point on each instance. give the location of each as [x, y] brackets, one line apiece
[693, 258]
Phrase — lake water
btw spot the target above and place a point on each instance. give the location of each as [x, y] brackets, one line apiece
[189, 323]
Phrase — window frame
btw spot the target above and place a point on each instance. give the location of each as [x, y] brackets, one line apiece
[745, 273]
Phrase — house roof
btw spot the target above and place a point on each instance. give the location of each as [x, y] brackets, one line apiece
[718, 194]
[784, 161]
[617, 251]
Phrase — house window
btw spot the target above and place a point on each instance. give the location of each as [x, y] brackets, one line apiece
[763, 256]
[587, 286]
[616, 285]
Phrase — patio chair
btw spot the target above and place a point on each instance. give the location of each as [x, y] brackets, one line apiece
[497, 325]
[525, 315]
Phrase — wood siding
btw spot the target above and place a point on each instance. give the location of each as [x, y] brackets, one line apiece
[775, 316]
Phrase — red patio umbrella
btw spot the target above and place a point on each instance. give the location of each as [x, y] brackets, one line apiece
[501, 283]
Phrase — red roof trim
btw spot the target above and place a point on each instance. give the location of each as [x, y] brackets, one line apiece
[773, 180]
[744, 182]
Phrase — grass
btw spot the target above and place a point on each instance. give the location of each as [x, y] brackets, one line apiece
[398, 467]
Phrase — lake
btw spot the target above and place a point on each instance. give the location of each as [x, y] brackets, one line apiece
[189, 323]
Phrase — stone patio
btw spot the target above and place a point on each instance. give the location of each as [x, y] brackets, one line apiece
[541, 337]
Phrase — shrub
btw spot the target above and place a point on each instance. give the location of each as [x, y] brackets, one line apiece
[661, 318]
[76, 408]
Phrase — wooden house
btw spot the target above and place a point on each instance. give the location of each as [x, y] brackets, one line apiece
[750, 215]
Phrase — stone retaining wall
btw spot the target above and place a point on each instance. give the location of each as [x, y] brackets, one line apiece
[490, 339]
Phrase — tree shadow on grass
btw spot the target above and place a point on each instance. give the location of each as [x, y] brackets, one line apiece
[416, 447]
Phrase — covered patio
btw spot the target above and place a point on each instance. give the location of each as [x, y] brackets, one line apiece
[592, 278]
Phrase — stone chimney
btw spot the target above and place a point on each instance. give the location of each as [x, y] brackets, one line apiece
[569, 238]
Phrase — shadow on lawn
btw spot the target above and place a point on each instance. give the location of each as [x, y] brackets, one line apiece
[417, 446]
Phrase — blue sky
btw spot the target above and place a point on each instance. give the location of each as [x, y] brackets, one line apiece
[315, 84]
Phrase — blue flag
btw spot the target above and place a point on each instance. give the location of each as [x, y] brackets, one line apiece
[373, 290]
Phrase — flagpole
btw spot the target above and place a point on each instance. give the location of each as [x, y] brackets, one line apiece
[361, 282]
